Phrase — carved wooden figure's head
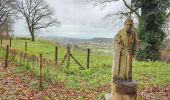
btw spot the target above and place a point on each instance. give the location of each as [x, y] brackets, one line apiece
[128, 24]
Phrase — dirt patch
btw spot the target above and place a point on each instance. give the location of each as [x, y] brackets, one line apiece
[156, 93]
[20, 85]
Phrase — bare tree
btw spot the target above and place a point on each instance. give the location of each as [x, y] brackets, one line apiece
[6, 28]
[37, 14]
[5, 10]
[133, 7]
[6, 17]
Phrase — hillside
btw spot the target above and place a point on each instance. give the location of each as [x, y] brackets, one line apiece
[97, 44]
[93, 81]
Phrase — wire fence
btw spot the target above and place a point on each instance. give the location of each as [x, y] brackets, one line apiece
[57, 56]
[42, 61]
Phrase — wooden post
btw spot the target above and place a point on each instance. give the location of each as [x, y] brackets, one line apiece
[40, 74]
[7, 55]
[68, 56]
[1, 41]
[25, 46]
[10, 42]
[88, 58]
[56, 55]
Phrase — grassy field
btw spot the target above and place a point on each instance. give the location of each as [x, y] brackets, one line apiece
[47, 48]
[147, 74]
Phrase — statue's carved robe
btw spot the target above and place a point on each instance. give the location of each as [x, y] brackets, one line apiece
[124, 47]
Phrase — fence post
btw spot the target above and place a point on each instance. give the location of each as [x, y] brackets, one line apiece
[88, 58]
[7, 55]
[68, 56]
[56, 55]
[40, 74]
[25, 46]
[10, 42]
[1, 41]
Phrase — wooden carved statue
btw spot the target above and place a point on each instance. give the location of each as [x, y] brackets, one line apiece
[125, 43]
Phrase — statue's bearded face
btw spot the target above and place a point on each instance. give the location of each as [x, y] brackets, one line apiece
[128, 26]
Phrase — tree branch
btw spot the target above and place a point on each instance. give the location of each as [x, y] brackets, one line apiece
[132, 10]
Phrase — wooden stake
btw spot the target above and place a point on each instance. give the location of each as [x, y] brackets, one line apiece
[10, 42]
[1, 41]
[40, 74]
[56, 55]
[25, 46]
[7, 55]
[88, 58]
[68, 56]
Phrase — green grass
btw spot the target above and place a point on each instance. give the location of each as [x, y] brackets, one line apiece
[151, 74]
[147, 74]
[47, 48]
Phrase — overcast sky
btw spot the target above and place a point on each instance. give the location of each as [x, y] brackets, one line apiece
[79, 19]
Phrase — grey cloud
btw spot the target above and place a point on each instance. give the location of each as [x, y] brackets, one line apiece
[80, 18]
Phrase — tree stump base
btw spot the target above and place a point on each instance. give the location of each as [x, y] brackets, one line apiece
[124, 90]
